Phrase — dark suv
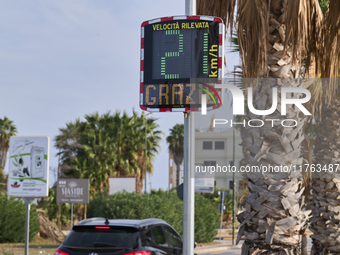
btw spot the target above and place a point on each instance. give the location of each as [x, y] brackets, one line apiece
[97, 236]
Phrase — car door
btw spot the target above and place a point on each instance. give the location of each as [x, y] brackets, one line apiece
[159, 239]
[174, 240]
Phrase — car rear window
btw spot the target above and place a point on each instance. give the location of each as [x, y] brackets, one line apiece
[90, 236]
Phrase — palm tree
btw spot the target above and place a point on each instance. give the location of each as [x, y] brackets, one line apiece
[7, 129]
[323, 202]
[71, 150]
[176, 147]
[140, 143]
[107, 145]
[280, 39]
[99, 149]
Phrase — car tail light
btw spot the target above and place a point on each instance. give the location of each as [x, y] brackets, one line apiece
[57, 252]
[139, 253]
[102, 227]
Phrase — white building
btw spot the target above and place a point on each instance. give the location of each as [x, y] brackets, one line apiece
[213, 150]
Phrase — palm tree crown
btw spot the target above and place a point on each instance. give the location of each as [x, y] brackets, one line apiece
[107, 145]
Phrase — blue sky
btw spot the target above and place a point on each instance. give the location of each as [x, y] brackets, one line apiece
[61, 59]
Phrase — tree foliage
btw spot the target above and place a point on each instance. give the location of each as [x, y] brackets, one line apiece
[108, 145]
[7, 129]
[324, 4]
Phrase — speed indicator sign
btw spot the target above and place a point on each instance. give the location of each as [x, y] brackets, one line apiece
[175, 50]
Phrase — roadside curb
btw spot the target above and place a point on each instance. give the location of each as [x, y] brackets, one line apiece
[215, 248]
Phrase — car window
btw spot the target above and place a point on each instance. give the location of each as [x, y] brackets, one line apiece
[174, 239]
[148, 234]
[86, 236]
[159, 236]
[147, 238]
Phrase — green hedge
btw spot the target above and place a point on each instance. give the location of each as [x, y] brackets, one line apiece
[12, 220]
[159, 204]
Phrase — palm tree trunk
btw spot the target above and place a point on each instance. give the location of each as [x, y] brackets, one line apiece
[325, 199]
[274, 218]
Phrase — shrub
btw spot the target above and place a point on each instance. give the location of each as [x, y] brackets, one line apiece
[206, 219]
[12, 220]
[158, 204]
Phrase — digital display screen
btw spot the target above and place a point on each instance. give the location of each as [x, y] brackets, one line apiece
[176, 51]
[171, 55]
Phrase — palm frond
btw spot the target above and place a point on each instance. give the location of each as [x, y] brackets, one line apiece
[331, 41]
[252, 20]
[235, 45]
[304, 23]
[224, 9]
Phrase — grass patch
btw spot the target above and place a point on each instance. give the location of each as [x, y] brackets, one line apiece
[37, 246]
[6, 252]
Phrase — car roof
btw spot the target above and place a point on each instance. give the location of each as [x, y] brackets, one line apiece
[121, 222]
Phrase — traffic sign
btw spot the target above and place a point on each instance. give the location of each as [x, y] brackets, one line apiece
[222, 194]
[180, 191]
[221, 208]
[175, 50]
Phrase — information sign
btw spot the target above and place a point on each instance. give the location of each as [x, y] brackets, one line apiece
[122, 184]
[175, 50]
[75, 191]
[28, 166]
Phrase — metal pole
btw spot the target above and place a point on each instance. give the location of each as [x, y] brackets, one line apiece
[222, 207]
[190, 7]
[234, 181]
[189, 184]
[27, 223]
[59, 216]
[145, 149]
[221, 224]
[234, 187]
[85, 214]
[189, 164]
[71, 216]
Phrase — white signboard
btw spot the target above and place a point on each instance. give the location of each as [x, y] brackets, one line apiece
[73, 191]
[204, 182]
[121, 184]
[28, 166]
